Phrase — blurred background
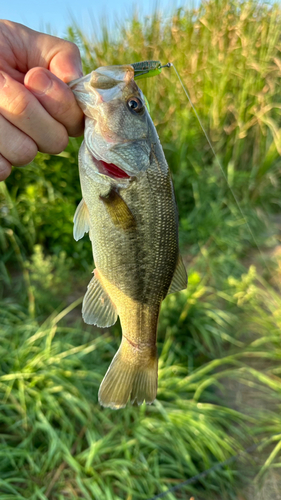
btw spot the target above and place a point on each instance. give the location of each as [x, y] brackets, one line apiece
[55, 16]
[219, 341]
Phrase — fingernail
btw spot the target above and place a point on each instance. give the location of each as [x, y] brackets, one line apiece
[77, 73]
[2, 80]
[79, 69]
[39, 83]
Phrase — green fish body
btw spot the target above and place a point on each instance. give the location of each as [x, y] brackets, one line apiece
[129, 210]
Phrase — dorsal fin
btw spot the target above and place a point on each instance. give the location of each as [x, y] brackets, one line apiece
[97, 308]
[81, 221]
[179, 281]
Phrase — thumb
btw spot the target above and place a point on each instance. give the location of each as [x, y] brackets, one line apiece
[66, 64]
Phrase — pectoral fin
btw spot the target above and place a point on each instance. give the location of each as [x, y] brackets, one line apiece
[118, 210]
[97, 308]
[179, 281]
[81, 221]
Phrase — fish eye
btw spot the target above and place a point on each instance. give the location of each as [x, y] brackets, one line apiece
[135, 104]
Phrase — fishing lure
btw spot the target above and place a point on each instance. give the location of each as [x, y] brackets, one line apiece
[146, 69]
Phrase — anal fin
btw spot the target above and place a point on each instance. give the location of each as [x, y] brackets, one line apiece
[97, 308]
[179, 281]
[81, 221]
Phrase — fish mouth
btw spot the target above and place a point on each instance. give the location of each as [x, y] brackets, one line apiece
[110, 169]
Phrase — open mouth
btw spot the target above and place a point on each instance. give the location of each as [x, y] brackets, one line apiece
[110, 170]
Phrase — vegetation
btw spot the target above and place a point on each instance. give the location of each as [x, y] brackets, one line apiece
[219, 341]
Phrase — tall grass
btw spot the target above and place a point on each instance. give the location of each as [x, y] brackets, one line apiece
[219, 341]
[232, 72]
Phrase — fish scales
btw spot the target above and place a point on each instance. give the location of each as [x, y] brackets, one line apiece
[130, 211]
[135, 269]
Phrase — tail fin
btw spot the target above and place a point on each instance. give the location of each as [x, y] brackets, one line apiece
[132, 373]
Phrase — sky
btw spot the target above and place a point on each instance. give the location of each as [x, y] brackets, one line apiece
[53, 16]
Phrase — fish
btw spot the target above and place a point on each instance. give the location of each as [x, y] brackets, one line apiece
[128, 207]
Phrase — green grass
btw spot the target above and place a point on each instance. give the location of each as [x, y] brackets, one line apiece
[218, 341]
[56, 441]
[50, 418]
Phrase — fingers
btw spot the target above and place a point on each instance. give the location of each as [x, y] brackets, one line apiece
[5, 168]
[21, 108]
[57, 99]
[16, 147]
[66, 62]
[37, 109]
[23, 49]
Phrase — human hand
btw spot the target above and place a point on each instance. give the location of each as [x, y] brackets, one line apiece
[38, 111]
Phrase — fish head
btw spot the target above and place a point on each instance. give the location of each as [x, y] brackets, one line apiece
[117, 125]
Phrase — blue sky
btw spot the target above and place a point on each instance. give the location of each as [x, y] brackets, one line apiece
[55, 15]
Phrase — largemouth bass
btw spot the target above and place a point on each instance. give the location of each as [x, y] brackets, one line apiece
[129, 209]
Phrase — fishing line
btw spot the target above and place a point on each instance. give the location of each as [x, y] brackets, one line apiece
[219, 164]
[205, 473]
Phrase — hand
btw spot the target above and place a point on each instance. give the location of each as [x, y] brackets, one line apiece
[37, 109]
